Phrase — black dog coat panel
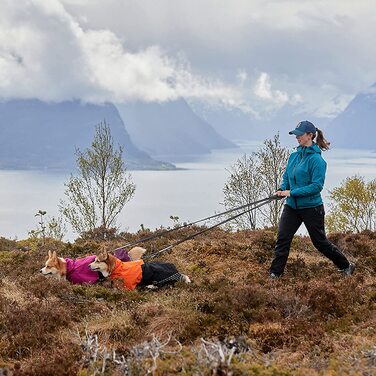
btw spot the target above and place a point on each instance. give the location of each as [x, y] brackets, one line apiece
[154, 272]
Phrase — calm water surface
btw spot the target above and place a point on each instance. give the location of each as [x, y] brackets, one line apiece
[189, 194]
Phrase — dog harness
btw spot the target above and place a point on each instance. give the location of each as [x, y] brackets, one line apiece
[78, 271]
[130, 273]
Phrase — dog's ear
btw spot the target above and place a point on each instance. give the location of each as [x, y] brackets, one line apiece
[49, 254]
[102, 256]
[54, 255]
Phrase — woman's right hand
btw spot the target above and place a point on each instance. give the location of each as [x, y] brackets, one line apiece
[283, 193]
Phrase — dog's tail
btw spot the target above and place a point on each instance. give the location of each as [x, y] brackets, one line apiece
[136, 253]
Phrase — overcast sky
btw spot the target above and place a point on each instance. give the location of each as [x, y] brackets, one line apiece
[254, 55]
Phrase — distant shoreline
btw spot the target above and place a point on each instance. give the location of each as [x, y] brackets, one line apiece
[54, 170]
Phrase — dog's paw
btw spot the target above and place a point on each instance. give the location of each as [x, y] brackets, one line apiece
[151, 287]
[185, 279]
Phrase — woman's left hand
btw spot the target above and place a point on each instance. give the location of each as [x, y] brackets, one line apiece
[283, 193]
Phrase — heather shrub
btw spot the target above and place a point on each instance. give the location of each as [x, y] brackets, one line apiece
[297, 267]
[262, 256]
[80, 249]
[356, 245]
[312, 321]
[99, 234]
[29, 327]
[7, 244]
[101, 293]
[247, 300]
[63, 360]
[269, 335]
[42, 287]
[331, 299]
[264, 240]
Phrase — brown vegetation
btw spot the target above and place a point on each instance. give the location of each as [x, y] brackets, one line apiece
[232, 320]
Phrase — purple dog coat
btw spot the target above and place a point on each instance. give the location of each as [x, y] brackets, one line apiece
[78, 271]
[122, 255]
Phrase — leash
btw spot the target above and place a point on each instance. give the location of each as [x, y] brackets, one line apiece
[151, 237]
[264, 202]
[175, 277]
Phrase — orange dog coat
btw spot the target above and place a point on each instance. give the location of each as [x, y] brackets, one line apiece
[130, 273]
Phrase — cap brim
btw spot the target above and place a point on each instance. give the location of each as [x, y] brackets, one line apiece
[297, 132]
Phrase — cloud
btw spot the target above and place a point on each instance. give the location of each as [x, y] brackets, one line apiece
[46, 53]
[316, 49]
[40, 52]
[256, 56]
[242, 76]
[263, 90]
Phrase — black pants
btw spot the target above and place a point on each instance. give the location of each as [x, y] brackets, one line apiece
[313, 218]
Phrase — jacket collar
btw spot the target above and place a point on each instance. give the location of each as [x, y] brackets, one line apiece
[117, 266]
[309, 149]
[70, 266]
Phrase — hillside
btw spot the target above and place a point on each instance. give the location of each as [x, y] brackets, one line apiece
[232, 320]
[170, 131]
[234, 124]
[40, 135]
[353, 127]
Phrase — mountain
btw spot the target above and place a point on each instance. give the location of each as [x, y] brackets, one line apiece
[40, 135]
[170, 130]
[230, 123]
[237, 125]
[354, 127]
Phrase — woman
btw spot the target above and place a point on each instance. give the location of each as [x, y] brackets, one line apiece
[302, 183]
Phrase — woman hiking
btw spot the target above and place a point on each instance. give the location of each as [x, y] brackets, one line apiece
[302, 183]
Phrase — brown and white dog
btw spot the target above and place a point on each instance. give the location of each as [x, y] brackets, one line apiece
[77, 271]
[132, 274]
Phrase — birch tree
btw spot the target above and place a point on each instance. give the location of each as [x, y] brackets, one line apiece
[352, 206]
[101, 188]
[255, 177]
[272, 162]
[242, 187]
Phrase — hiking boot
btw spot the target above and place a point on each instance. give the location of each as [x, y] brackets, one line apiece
[349, 270]
[273, 276]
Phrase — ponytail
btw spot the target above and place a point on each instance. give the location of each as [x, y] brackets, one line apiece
[321, 142]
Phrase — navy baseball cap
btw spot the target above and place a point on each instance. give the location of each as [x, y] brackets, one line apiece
[304, 126]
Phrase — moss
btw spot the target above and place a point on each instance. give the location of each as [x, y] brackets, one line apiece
[12, 257]
[240, 369]
[201, 268]
[82, 372]
[32, 243]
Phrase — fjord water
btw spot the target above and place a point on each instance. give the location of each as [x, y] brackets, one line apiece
[190, 194]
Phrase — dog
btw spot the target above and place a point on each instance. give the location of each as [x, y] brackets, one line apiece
[78, 271]
[136, 274]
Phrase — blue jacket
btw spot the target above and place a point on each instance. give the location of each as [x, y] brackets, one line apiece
[304, 177]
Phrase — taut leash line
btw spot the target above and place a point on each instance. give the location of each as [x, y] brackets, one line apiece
[151, 237]
[269, 199]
